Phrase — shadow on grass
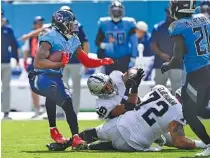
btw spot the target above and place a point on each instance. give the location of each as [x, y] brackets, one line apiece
[109, 151]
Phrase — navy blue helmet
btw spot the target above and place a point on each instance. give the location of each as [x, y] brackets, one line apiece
[63, 20]
[179, 8]
[116, 11]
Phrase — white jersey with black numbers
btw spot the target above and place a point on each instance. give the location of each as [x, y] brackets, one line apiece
[105, 106]
[142, 126]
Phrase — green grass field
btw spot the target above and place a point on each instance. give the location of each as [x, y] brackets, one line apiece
[27, 139]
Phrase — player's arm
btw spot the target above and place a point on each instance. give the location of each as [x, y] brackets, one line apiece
[134, 42]
[99, 37]
[91, 62]
[33, 33]
[41, 61]
[179, 50]
[178, 137]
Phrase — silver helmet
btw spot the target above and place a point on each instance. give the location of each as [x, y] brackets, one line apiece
[101, 85]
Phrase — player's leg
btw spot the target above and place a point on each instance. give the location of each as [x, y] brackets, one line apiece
[160, 79]
[190, 111]
[101, 146]
[64, 100]
[175, 76]
[5, 78]
[76, 78]
[35, 98]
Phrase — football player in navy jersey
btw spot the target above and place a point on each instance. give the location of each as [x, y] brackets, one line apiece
[190, 33]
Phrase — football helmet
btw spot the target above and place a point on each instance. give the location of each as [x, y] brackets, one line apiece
[63, 21]
[205, 7]
[179, 9]
[116, 11]
[101, 85]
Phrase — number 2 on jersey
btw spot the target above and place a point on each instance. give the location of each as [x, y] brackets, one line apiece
[164, 108]
[204, 35]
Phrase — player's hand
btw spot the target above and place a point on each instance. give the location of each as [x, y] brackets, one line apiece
[165, 57]
[65, 58]
[107, 61]
[164, 67]
[139, 76]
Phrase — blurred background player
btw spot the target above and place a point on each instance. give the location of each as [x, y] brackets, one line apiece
[73, 69]
[144, 37]
[190, 33]
[162, 46]
[205, 7]
[7, 40]
[30, 48]
[116, 39]
[46, 79]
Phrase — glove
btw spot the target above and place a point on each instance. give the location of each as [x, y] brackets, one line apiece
[164, 67]
[107, 46]
[139, 76]
[107, 61]
[65, 58]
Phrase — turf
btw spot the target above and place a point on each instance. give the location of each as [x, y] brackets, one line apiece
[27, 139]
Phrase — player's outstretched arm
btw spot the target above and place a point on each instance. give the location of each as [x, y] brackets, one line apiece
[33, 33]
[41, 61]
[91, 62]
[179, 140]
[179, 50]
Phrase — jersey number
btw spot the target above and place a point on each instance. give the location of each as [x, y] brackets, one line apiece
[101, 111]
[120, 37]
[204, 35]
[161, 104]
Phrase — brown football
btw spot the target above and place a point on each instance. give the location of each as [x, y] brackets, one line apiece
[55, 56]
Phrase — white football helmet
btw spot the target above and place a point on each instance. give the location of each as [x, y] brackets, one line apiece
[101, 85]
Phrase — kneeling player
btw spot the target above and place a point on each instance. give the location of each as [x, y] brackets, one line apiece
[158, 114]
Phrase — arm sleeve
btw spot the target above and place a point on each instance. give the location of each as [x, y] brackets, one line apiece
[14, 45]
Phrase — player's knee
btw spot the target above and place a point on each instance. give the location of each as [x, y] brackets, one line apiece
[66, 102]
[89, 135]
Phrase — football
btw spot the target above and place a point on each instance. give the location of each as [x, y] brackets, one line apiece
[55, 56]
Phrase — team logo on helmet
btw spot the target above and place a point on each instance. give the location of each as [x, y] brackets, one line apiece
[58, 17]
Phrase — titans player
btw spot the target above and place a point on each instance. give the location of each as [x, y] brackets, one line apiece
[46, 79]
[116, 38]
[191, 36]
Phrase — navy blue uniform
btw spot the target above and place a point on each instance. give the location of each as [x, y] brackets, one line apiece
[49, 82]
[7, 40]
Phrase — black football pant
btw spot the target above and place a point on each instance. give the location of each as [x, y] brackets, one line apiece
[196, 95]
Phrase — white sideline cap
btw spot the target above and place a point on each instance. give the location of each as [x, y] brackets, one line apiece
[141, 25]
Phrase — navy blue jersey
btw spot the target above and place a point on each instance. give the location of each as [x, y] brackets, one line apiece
[8, 40]
[196, 32]
[120, 32]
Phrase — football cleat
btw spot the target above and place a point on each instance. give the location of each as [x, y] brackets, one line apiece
[78, 143]
[204, 153]
[56, 136]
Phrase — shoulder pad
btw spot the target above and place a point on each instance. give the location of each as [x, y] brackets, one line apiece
[129, 19]
[104, 19]
[176, 28]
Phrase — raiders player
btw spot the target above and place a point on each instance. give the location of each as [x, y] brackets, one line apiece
[110, 90]
[159, 113]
